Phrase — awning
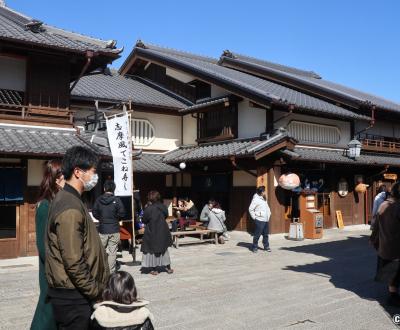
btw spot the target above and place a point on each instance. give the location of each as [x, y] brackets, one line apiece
[241, 148]
[329, 155]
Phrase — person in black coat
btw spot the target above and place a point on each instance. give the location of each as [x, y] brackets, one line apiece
[109, 210]
[157, 237]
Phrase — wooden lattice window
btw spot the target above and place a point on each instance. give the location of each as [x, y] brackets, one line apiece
[315, 133]
[143, 132]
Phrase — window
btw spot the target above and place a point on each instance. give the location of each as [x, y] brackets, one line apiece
[217, 124]
[142, 132]
[315, 133]
[13, 73]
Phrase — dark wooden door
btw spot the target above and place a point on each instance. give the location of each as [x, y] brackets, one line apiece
[239, 218]
[9, 231]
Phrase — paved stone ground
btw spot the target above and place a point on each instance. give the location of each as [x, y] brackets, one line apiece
[322, 284]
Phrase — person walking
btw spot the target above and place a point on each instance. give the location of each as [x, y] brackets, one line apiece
[260, 213]
[380, 197]
[385, 238]
[52, 182]
[76, 263]
[108, 209]
[157, 237]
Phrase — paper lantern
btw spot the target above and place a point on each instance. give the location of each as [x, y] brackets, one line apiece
[289, 181]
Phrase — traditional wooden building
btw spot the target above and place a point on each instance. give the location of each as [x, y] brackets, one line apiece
[255, 120]
[38, 64]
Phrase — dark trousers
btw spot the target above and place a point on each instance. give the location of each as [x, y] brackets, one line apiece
[261, 228]
[70, 314]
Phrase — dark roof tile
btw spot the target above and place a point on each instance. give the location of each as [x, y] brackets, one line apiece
[14, 26]
[116, 88]
[265, 89]
[41, 141]
[317, 81]
[221, 150]
[339, 156]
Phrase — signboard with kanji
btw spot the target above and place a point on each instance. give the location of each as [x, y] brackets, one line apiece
[121, 149]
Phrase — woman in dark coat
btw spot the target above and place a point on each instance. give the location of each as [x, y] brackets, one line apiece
[53, 181]
[157, 237]
[386, 239]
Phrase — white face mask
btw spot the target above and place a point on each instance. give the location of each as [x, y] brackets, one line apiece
[89, 185]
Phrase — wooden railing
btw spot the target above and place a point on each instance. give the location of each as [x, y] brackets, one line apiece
[36, 114]
[380, 145]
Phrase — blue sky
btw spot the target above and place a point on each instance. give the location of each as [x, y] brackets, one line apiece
[355, 42]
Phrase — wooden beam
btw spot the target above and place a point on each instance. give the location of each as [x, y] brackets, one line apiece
[271, 150]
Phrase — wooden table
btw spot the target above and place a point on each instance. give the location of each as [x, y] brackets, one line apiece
[177, 234]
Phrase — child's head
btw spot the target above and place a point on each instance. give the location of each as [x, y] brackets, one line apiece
[120, 288]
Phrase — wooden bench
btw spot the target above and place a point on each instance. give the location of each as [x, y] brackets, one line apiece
[177, 234]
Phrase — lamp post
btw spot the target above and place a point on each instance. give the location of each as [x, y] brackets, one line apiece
[354, 149]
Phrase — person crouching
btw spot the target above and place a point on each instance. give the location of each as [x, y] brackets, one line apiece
[120, 308]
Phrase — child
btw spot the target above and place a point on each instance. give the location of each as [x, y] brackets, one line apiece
[121, 309]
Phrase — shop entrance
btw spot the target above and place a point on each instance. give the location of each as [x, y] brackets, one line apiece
[11, 196]
[9, 222]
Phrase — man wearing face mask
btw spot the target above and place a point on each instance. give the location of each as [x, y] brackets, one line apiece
[76, 263]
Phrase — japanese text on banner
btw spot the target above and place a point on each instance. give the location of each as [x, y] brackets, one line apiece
[121, 149]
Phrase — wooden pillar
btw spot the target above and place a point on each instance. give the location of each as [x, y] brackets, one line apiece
[277, 221]
[262, 177]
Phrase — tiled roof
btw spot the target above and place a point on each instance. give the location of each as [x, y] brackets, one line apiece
[233, 79]
[17, 27]
[148, 163]
[27, 140]
[314, 80]
[221, 150]
[11, 97]
[40, 141]
[196, 107]
[339, 156]
[272, 65]
[116, 88]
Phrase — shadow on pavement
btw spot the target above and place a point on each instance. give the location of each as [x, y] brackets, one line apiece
[351, 266]
[246, 245]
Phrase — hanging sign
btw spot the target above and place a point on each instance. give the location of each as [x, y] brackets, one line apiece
[390, 176]
[121, 149]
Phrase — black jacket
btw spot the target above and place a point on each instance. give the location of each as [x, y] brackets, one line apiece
[108, 209]
[157, 237]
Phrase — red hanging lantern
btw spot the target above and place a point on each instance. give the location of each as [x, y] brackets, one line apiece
[289, 181]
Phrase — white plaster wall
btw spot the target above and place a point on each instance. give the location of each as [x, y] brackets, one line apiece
[12, 73]
[167, 130]
[35, 172]
[252, 121]
[243, 179]
[387, 129]
[189, 130]
[183, 77]
[344, 127]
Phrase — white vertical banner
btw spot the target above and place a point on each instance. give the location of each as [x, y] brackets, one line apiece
[119, 139]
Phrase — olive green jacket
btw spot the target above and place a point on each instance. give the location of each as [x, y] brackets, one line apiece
[75, 257]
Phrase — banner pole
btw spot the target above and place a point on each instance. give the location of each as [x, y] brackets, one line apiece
[132, 185]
